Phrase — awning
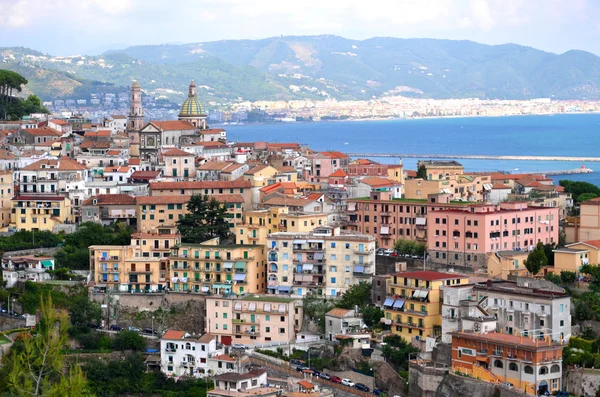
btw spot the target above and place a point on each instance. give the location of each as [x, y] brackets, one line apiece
[240, 265]
[319, 256]
[445, 191]
[238, 306]
[217, 286]
[272, 287]
[252, 306]
[298, 278]
[488, 186]
[317, 241]
[307, 266]
[284, 288]
[228, 265]
[420, 294]
[359, 269]
[388, 302]
[101, 286]
[485, 359]
[267, 307]
[398, 304]
[47, 263]
[421, 221]
[240, 277]
[385, 230]
[282, 308]
[298, 241]
[205, 289]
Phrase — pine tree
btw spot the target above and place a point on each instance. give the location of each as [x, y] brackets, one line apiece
[536, 259]
[206, 219]
[422, 172]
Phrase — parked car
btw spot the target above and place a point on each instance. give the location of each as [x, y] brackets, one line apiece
[325, 376]
[239, 346]
[361, 387]
[377, 392]
[296, 362]
[150, 331]
[388, 252]
[394, 254]
[115, 327]
[301, 368]
[315, 372]
[347, 382]
[380, 251]
[336, 379]
[507, 385]
[132, 328]
[94, 326]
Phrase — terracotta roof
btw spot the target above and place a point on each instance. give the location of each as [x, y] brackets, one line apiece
[113, 152]
[156, 236]
[117, 168]
[286, 202]
[214, 166]
[500, 186]
[428, 275]
[146, 175]
[6, 155]
[515, 341]
[87, 144]
[340, 173]
[256, 169]
[335, 155]
[314, 196]
[338, 312]
[306, 384]
[201, 185]
[271, 146]
[212, 144]
[62, 164]
[46, 131]
[173, 334]
[232, 167]
[173, 125]
[287, 169]
[59, 122]
[235, 377]
[134, 161]
[178, 152]
[118, 116]
[593, 243]
[206, 338]
[594, 201]
[97, 134]
[110, 199]
[38, 198]
[175, 199]
[271, 188]
[211, 131]
[363, 162]
[377, 182]
[224, 357]
[411, 173]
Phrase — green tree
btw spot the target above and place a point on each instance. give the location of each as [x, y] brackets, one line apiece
[553, 278]
[37, 367]
[356, 295]
[579, 188]
[315, 308]
[206, 219]
[129, 340]
[397, 351]
[536, 259]
[568, 277]
[371, 315]
[422, 172]
[586, 196]
[83, 311]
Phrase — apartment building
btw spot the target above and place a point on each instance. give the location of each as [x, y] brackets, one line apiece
[413, 305]
[141, 266]
[533, 366]
[439, 170]
[26, 268]
[467, 236]
[389, 219]
[248, 384]
[527, 309]
[41, 212]
[326, 261]
[507, 263]
[109, 208]
[179, 164]
[220, 269]
[184, 354]
[160, 213]
[50, 176]
[210, 188]
[6, 195]
[362, 168]
[253, 320]
[473, 188]
[587, 225]
[340, 321]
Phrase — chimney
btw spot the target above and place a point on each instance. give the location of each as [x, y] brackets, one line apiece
[490, 283]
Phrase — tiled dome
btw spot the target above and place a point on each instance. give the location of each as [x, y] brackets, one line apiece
[191, 107]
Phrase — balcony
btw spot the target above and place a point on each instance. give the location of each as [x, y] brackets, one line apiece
[253, 238]
[452, 319]
[361, 274]
[364, 252]
[363, 263]
[108, 270]
[247, 332]
[250, 258]
[308, 249]
[245, 321]
[144, 271]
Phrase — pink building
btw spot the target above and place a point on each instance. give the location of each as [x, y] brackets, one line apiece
[467, 236]
[324, 164]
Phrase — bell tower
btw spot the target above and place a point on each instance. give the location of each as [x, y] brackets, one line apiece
[135, 121]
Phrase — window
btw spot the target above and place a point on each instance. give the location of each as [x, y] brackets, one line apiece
[554, 369]
[543, 370]
[528, 369]
[282, 330]
[562, 323]
[498, 364]
[332, 280]
[513, 367]
[332, 245]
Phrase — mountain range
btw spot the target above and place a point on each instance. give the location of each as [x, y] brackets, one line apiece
[296, 67]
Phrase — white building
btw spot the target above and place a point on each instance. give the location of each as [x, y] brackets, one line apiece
[252, 383]
[223, 363]
[26, 268]
[185, 354]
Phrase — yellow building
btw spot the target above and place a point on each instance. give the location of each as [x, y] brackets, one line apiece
[215, 268]
[507, 263]
[179, 164]
[572, 258]
[593, 246]
[6, 195]
[159, 213]
[439, 170]
[141, 266]
[260, 175]
[40, 212]
[461, 187]
[413, 306]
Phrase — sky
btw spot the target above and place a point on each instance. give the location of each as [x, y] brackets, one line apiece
[89, 27]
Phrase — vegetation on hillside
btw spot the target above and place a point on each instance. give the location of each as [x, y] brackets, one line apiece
[11, 106]
[206, 218]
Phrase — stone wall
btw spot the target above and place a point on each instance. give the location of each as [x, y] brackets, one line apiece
[460, 386]
[442, 354]
[581, 382]
[424, 381]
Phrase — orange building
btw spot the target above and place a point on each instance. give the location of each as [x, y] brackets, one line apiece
[531, 365]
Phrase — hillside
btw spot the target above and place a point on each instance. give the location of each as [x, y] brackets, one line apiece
[320, 67]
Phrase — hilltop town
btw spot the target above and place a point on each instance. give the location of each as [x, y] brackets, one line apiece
[239, 261]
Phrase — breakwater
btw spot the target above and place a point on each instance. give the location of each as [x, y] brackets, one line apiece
[477, 157]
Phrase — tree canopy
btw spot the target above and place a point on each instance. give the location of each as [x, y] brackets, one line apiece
[12, 107]
[536, 259]
[577, 188]
[206, 219]
[404, 247]
[422, 172]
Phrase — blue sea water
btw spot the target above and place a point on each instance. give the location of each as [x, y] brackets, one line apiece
[559, 135]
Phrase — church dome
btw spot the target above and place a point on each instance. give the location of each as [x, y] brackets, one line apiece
[192, 106]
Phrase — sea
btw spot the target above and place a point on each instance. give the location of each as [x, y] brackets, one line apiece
[543, 135]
